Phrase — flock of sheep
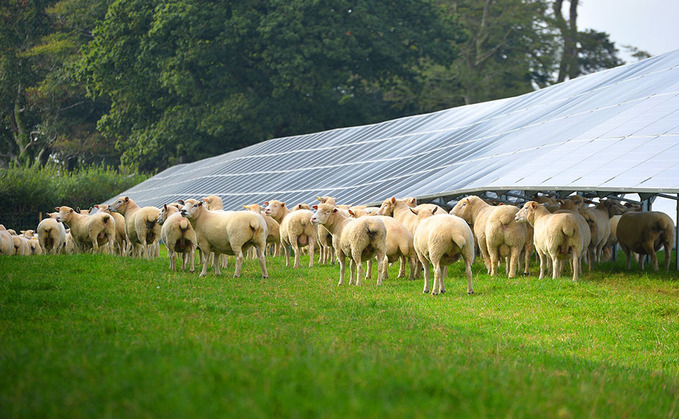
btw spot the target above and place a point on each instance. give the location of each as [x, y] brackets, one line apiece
[422, 236]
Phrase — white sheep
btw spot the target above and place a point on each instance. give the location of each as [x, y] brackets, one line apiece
[496, 231]
[51, 234]
[120, 239]
[90, 232]
[6, 242]
[357, 238]
[435, 209]
[178, 235]
[20, 245]
[556, 236]
[324, 238]
[141, 226]
[399, 209]
[399, 247]
[296, 230]
[214, 203]
[441, 240]
[227, 232]
[645, 233]
[272, 227]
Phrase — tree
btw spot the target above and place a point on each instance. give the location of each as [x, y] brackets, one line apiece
[582, 52]
[507, 51]
[188, 80]
[22, 24]
[47, 113]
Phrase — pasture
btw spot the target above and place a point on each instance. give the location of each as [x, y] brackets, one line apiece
[104, 336]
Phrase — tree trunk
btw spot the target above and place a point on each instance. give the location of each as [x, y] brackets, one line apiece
[568, 67]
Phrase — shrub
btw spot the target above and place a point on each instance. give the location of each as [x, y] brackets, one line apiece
[26, 193]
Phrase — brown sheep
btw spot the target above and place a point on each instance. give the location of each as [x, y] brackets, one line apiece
[645, 233]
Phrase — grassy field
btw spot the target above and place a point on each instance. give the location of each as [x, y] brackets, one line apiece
[100, 336]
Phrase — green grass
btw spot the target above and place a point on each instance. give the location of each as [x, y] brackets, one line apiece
[100, 336]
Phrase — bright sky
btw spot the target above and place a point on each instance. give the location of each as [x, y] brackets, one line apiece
[650, 25]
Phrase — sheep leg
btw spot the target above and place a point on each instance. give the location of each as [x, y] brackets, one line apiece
[628, 256]
[352, 271]
[296, 250]
[312, 247]
[556, 271]
[444, 275]
[438, 271]
[207, 254]
[192, 257]
[185, 260]
[238, 251]
[493, 255]
[359, 268]
[543, 260]
[528, 250]
[468, 274]
[382, 266]
[369, 269]
[514, 261]
[650, 251]
[402, 266]
[215, 261]
[426, 276]
[576, 262]
[286, 250]
[262, 261]
[413, 262]
[668, 254]
[172, 255]
[342, 264]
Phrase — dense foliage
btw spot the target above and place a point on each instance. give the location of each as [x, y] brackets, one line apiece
[27, 192]
[165, 81]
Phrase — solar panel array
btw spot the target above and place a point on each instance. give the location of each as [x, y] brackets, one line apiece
[612, 131]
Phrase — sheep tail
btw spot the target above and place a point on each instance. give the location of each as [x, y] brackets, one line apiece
[568, 230]
[183, 228]
[105, 219]
[372, 231]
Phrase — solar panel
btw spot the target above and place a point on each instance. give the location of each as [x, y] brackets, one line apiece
[613, 131]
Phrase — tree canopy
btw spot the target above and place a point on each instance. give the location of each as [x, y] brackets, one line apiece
[151, 83]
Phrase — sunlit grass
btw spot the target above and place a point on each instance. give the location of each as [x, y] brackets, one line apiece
[98, 336]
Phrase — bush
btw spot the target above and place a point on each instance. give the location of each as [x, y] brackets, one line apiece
[26, 193]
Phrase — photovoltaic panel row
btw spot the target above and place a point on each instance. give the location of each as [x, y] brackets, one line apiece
[612, 129]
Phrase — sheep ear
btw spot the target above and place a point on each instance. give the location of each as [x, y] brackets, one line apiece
[334, 210]
[203, 199]
[533, 205]
[200, 204]
[127, 198]
[71, 210]
[393, 199]
[351, 213]
[245, 206]
[180, 201]
[282, 204]
[56, 208]
[266, 202]
[165, 207]
[319, 198]
[314, 207]
[96, 206]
